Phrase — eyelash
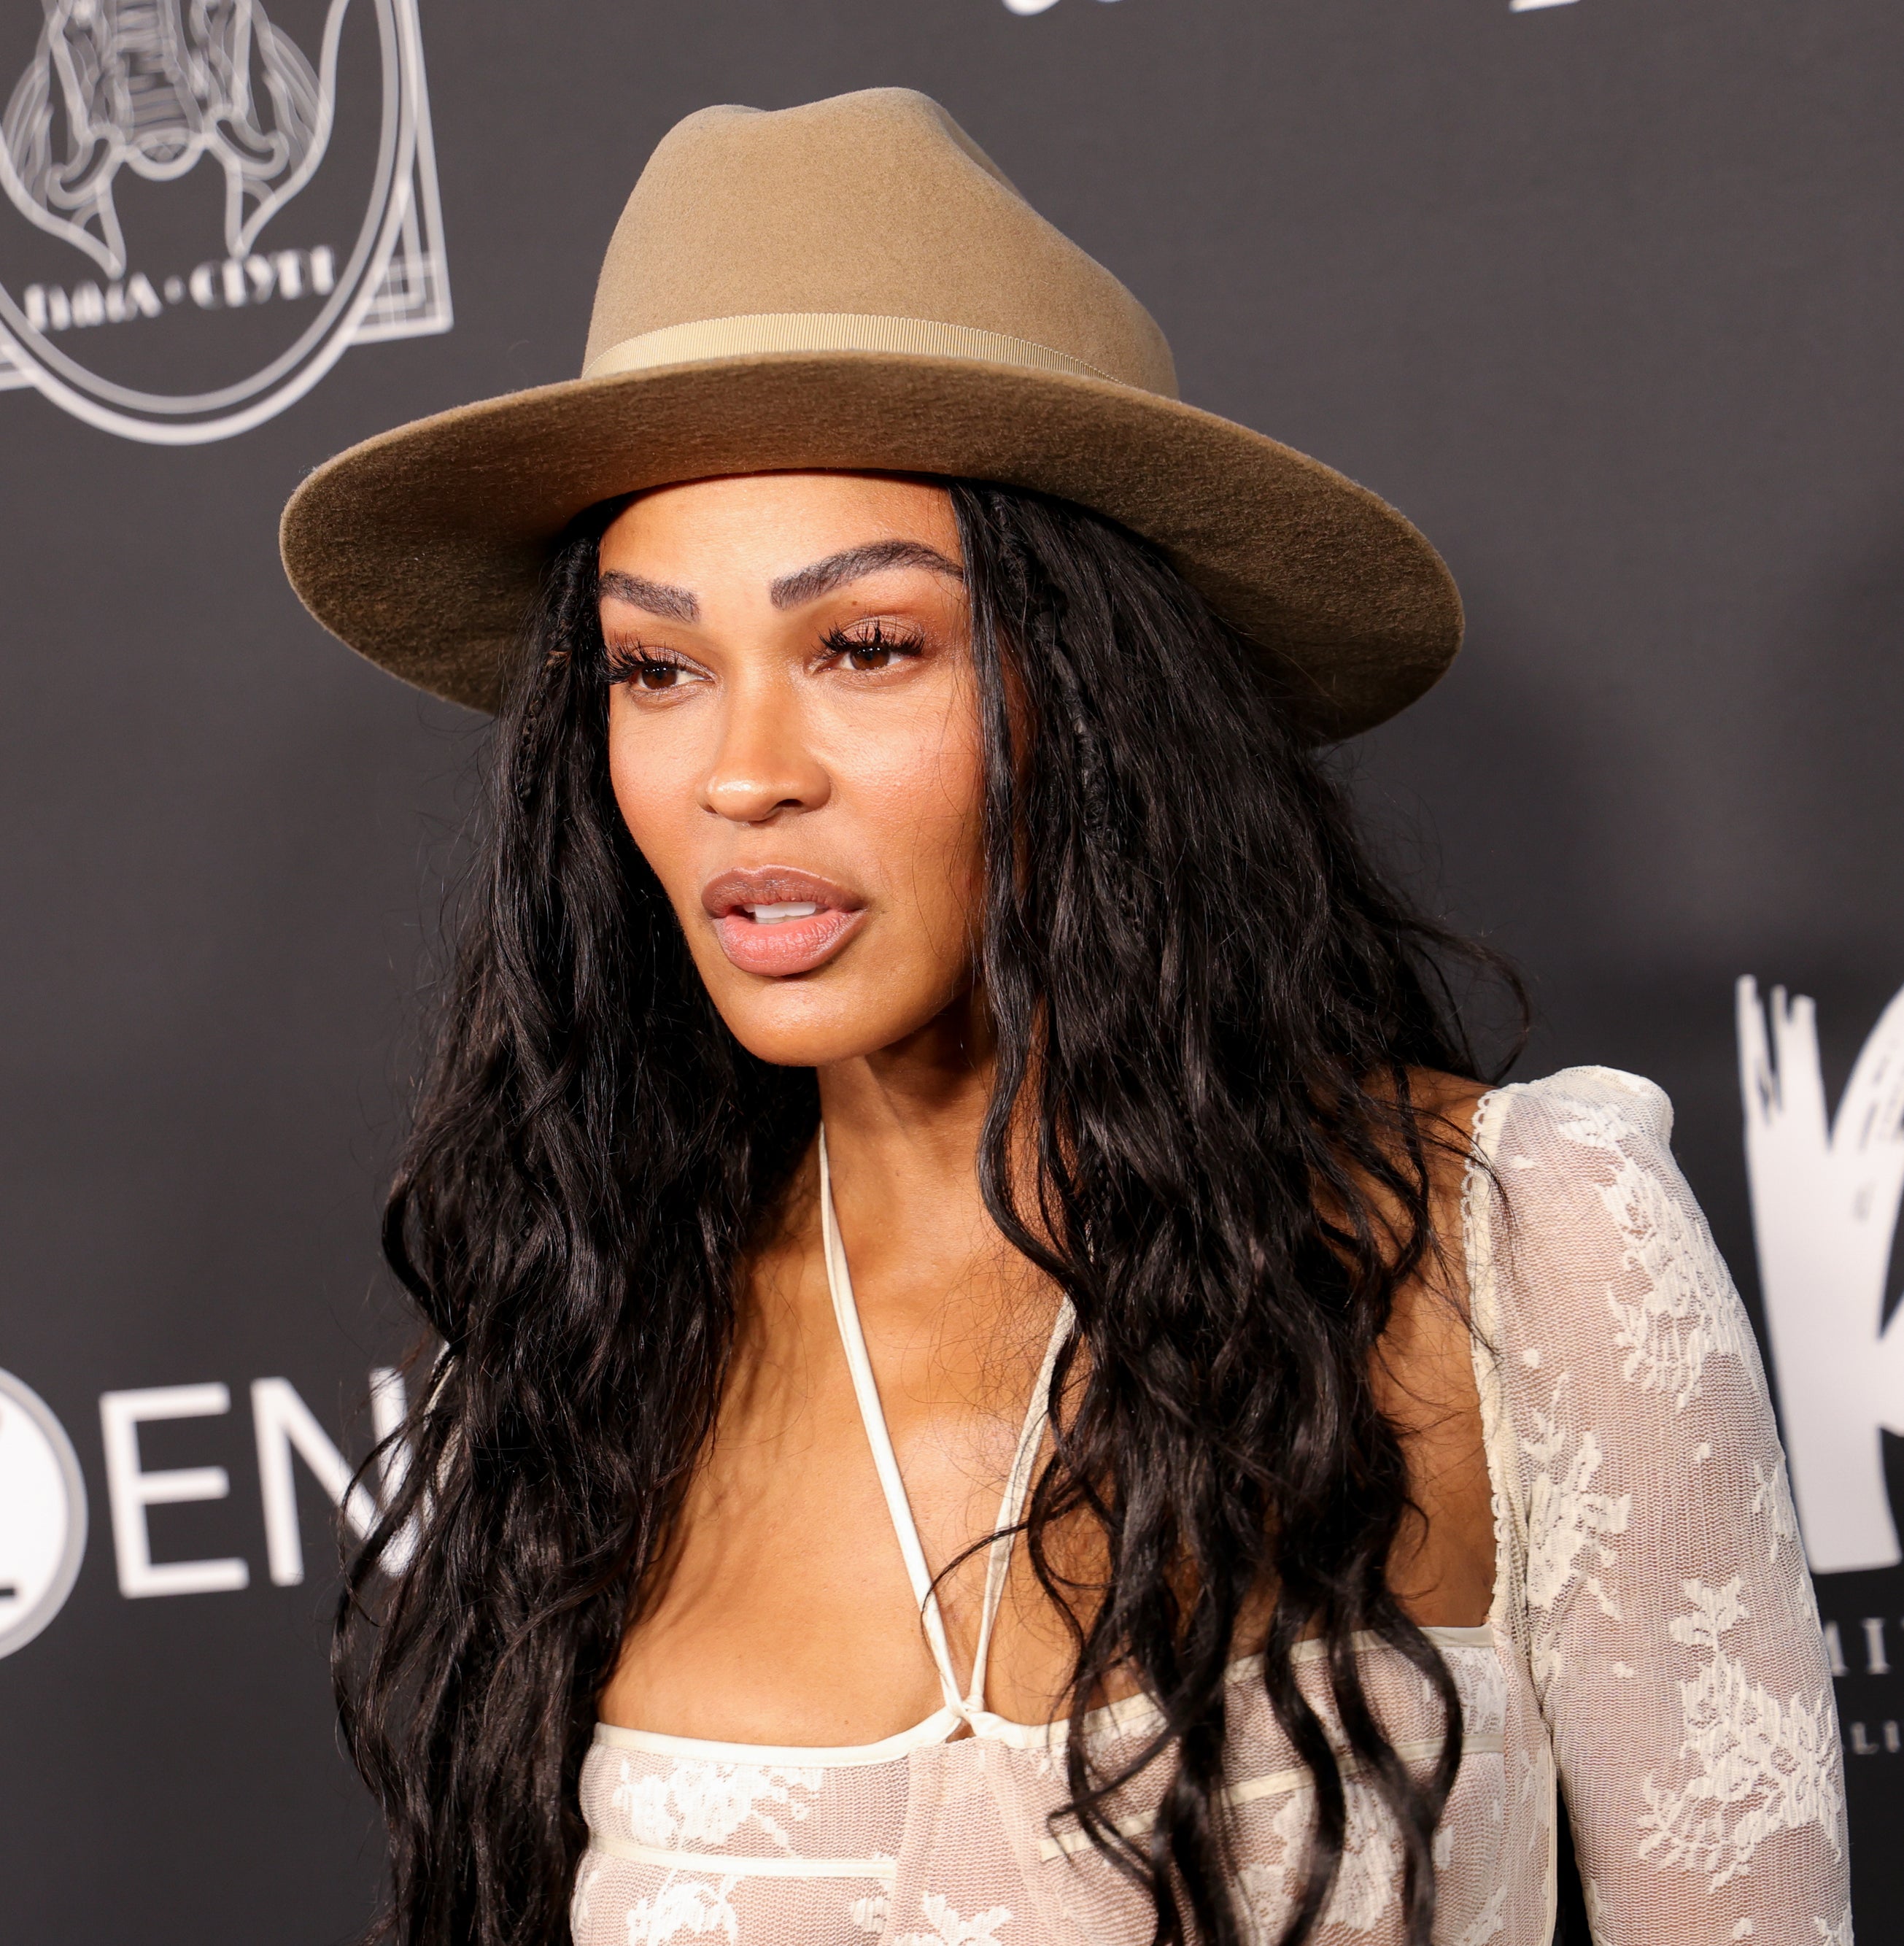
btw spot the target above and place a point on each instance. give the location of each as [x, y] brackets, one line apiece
[629, 664]
[839, 642]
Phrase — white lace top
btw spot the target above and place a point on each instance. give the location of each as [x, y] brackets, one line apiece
[1652, 1650]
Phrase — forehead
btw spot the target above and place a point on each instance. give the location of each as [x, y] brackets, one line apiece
[757, 528]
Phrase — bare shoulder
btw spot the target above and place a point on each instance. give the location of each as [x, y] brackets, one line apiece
[1442, 1569]
[1451, 1102]
[1444, 1106]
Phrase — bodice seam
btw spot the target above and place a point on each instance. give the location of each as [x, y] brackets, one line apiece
[935, 1731]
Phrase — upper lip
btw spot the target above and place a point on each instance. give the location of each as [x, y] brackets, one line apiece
[774, 884]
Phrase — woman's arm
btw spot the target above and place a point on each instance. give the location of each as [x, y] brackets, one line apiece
[1669, 1621]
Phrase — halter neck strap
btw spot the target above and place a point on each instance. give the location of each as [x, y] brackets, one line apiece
[846, 1312]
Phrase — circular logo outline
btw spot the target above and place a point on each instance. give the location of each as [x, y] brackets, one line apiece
[32, 1621]
[331, 332]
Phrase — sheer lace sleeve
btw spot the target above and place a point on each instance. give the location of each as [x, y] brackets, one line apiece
[1654, 1580]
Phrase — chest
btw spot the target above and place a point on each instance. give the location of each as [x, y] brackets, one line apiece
[843, 1519]
[784, 1612]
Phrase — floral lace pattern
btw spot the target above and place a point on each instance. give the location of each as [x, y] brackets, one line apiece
[705, 1804]
[950, 1927]
[1569, 1528]
[1665, 1615]
[1762, 1766]
[1372, 1860]
[679, 1909]
[1683, 1310]
[1652, 1660]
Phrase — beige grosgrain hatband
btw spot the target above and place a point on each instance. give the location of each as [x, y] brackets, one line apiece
[829, 331]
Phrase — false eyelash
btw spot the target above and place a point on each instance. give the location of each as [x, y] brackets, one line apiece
[622, 665]
[838, 642]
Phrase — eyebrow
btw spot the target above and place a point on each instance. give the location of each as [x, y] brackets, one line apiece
[791, 590]
[672, 604]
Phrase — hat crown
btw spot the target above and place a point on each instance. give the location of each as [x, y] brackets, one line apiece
[871, 205]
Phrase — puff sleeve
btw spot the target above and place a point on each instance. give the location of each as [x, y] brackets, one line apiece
[1658, 1590]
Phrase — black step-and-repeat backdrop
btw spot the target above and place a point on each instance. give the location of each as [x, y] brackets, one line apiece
[1606, 294]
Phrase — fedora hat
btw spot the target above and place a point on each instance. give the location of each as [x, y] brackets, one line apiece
[854, 285]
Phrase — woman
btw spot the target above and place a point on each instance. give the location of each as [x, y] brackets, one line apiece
[997, 1383]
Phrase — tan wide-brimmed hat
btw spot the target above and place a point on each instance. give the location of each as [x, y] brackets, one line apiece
[854, 285]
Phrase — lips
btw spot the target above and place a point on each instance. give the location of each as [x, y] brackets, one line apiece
[777, 922]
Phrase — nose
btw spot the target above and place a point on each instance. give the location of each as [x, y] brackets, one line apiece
[764, 768]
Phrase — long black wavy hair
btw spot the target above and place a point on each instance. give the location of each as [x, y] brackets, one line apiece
[1207, 1003]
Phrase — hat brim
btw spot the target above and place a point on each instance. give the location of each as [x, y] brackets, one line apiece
[423, 547]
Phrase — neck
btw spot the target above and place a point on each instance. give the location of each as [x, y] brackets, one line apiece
[902, 1129]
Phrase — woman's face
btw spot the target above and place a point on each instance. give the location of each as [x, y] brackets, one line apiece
[794, 745]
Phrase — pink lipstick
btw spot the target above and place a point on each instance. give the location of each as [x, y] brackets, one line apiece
[775, 921]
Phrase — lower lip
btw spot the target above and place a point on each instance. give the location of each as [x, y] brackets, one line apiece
[790, 946]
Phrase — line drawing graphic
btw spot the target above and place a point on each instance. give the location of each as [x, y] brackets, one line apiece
[153, 86]
[158, 88]
[1826, 1191]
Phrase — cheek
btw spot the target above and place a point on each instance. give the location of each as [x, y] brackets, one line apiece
[926, 812]
[653, 779]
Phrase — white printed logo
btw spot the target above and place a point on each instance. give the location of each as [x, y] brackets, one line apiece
[209, 205]
[1826, 1195]
[42, 1515]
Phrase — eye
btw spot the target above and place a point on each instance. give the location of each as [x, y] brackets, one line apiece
[645, 669]
[869, 649]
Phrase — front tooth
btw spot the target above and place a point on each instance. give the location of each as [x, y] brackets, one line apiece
[773, 915]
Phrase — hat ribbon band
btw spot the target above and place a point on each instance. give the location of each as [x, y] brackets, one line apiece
[830, 331]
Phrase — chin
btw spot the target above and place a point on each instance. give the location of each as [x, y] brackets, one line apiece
[793, 1024]
[836, 1013]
